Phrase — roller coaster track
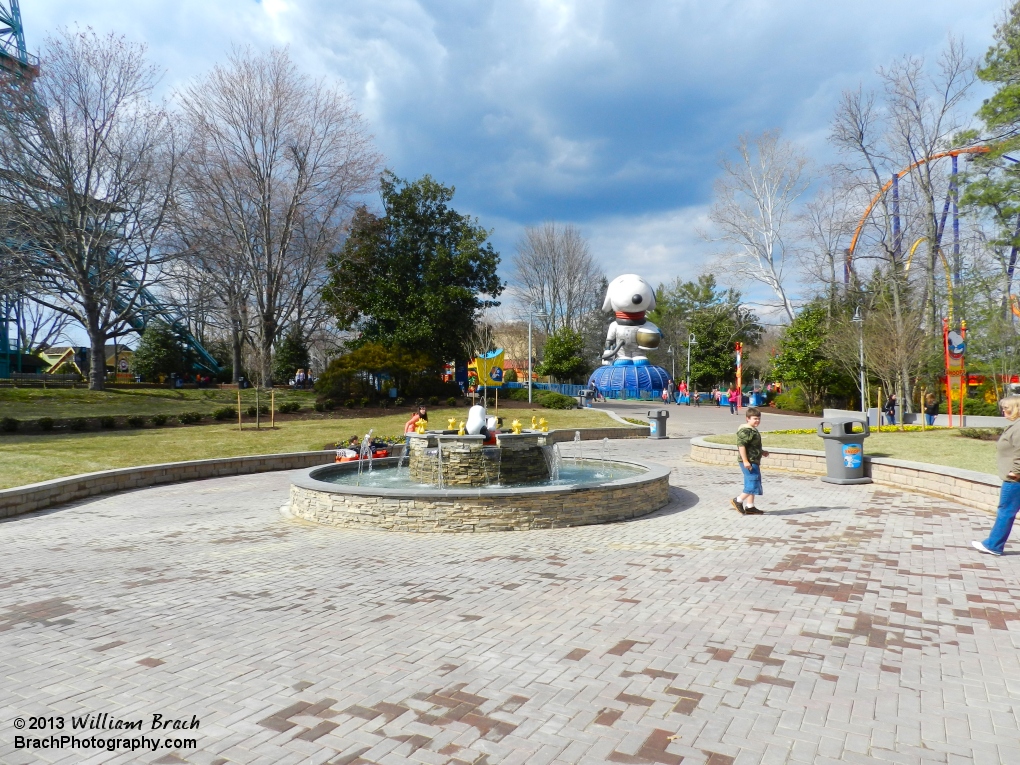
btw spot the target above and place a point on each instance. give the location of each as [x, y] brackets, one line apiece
[892, 182]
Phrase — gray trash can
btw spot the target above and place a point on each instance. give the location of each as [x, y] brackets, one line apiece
[844, 449]
[657, 423]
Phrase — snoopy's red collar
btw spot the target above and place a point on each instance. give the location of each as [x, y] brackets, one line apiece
[638, 316]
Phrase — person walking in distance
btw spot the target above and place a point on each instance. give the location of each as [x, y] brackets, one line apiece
[931, 409]
[1008, 463]
[890, 409]
[749, 448]
[731, 396]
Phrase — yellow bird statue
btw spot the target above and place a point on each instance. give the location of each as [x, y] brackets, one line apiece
[515, 427]
[420, 426]
[461, 431]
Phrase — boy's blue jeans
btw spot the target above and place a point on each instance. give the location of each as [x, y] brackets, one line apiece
[1009, 504]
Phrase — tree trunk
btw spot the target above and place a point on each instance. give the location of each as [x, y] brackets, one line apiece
[266, 360]
[235, 342]
[97, 363]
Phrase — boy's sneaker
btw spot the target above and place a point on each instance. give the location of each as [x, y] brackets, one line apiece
[980, 547]
[753, 511]
[738, 506]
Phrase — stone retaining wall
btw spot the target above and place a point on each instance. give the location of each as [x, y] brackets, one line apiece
[978, 490]
[479, 510]
[37, 496]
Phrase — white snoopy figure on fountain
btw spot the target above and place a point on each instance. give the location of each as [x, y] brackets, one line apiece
[630, 297]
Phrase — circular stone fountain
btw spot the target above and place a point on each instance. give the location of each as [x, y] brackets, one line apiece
[457, 483]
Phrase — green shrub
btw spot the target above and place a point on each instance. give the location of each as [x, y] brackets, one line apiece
[982, 434]
[286, 408]
[318, 406]
[78, 423]
[433, 400]
[186, 418]
[225, 413]
[974, 407]
[451, 401]
[107, 422]
[518, 394]
[251, 411]
[329, 404]
[551, 400]
[399, 401]
[349, 403]
[135, 422]
[9, 425]
[362, 402]
[793, 400]
[159, 419]
[45, 423]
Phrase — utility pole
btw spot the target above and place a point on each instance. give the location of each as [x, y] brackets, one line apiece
[691, 340]
[858, 319]
[531, 316]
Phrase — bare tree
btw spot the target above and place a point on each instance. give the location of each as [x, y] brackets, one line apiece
[827, 222]
[753, 205]
[274, 165]
[917, 118]
[555, 273]
[87, 164]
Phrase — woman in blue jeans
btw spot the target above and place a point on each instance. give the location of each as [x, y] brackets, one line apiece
[1008, 450]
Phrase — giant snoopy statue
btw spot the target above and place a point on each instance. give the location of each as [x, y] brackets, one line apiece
[630, 297]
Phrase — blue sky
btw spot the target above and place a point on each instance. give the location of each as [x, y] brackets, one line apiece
[611, 115]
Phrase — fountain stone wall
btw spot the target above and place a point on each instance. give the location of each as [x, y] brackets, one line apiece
[467, 461]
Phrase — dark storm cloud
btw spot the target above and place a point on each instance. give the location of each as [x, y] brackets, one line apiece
[612, 115]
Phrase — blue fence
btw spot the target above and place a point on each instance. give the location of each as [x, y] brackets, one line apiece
[573, 390]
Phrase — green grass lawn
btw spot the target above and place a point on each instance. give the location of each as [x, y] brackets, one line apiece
[28, 459]
[61, 403]
[940, 447]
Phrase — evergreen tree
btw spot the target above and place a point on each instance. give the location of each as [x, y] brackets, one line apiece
[291, 355]
[994, 182]
[418, 275]
[159, 352]
[564, 355]
[801, 359]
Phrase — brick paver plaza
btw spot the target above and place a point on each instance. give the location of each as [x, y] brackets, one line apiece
[850, 624]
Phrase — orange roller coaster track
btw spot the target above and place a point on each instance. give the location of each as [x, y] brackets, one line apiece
[874, 200]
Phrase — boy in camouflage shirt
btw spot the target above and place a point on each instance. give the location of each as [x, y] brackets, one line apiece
[749, 447]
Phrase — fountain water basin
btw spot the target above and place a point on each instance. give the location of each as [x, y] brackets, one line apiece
[453, 483]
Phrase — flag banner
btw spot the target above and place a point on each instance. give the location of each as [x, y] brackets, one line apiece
[489, 367]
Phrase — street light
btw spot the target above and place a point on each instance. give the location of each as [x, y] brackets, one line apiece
[691, 340]
[858, 319]
[672, 359]
[531, 316]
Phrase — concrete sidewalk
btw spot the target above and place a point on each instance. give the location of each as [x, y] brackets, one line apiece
[705, 420]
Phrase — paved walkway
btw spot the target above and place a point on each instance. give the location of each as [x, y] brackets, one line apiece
[849, 624]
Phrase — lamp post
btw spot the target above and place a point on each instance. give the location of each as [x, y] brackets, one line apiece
[691, 340]
[531, 316]
[858, 319]
[672, 360]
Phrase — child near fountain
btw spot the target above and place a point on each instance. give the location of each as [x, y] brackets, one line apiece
[421, 414]
[749, 447]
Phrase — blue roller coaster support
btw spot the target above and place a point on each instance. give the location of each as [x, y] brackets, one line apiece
[14, 55]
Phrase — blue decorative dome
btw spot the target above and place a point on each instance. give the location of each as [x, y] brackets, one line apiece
[629, 377]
